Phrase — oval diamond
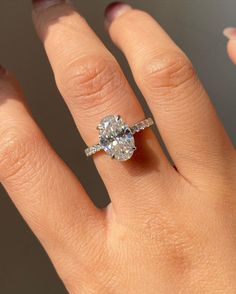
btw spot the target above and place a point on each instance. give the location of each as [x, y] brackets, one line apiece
[116, 138]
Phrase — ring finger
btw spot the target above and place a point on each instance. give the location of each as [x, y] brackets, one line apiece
[94, 86]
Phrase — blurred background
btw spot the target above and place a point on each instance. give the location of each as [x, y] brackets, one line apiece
[195, 25]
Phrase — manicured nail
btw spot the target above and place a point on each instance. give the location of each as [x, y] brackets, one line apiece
[44, 4]
[230, 33]
[2, 70]
[114, 10]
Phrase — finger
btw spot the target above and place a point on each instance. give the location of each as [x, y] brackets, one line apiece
[230, 33]
[43, 189]
[94, 86]
[185, 116]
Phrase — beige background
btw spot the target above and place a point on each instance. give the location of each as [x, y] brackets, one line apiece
[195, 25]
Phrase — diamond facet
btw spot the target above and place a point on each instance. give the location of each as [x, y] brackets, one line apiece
[116, 138]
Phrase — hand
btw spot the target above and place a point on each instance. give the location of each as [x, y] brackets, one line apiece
[166, 230]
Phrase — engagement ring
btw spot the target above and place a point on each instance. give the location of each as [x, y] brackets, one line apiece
[116, 137]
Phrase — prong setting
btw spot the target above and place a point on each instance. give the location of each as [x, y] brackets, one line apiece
[99, 127]
[118, 117]
[116, 138]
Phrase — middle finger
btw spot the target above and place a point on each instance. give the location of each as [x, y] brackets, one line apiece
[94, 86]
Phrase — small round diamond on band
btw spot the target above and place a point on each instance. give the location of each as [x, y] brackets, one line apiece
[116, 137]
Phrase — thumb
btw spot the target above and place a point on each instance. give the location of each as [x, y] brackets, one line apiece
[230, 33]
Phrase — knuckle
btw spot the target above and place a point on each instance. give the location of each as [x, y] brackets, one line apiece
[168, 71]
[95, 255]
[16, 146]
[175, 239]
[91, 82]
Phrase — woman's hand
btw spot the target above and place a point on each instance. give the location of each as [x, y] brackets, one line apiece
[166, 230]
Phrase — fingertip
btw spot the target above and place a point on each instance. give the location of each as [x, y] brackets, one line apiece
[231, 48]
[115, 10]
[230, 34]
[41, 5]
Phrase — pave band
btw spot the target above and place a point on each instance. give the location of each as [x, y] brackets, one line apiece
[142, 125]
[116, 137]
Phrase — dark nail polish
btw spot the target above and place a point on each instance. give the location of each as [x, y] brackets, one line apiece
[114, 10]
[44, 4]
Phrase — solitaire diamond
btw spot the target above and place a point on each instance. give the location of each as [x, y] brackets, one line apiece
[116, 138]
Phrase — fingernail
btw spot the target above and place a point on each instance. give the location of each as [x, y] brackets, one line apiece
[2, 70]
[230, 33]
[114, 10]
[44, 4]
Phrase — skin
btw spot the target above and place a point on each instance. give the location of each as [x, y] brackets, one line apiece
[166, 230]
[232, 50]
